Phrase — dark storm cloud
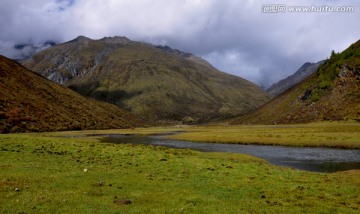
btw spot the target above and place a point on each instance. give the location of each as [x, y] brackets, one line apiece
[234, 35]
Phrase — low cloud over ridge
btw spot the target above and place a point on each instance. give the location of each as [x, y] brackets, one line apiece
[235, 35]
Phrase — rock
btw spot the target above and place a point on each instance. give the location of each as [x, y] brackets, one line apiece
[17, 190]
[122, 201]
[306, 95]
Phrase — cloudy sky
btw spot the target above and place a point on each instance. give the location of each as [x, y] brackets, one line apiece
[248, 38]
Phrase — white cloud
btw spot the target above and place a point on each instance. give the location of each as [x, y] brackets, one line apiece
[234, 34]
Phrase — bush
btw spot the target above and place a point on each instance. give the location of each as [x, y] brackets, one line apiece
[188, 120]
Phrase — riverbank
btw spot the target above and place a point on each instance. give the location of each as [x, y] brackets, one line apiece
[326, 134]
[43, 174]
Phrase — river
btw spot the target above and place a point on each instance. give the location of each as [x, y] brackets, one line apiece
[303, 158]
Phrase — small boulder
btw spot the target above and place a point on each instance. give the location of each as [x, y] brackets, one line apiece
[121, 201]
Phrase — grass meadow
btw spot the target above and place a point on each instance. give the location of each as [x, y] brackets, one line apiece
[69, 173]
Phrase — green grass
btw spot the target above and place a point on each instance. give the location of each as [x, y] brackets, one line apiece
[48, 174]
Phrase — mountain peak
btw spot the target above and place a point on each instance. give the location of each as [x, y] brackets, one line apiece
[116, 40]
[156, 83]
[81, 39]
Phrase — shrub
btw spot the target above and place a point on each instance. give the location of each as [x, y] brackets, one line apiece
[188, 120]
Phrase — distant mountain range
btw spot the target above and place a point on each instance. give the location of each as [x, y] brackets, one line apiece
[156, 83]
[331, 93]
[303, 72]
[30, 102]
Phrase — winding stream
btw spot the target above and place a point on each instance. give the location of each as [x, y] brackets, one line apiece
[310, 159]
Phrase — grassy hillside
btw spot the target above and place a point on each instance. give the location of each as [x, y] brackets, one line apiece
[331, 93]
[155, 83]
[29, 102]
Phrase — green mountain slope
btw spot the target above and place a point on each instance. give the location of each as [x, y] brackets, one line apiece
[155, 83]
[331, 93]
[29, 102]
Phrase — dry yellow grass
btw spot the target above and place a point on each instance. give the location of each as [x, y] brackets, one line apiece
[331, 134]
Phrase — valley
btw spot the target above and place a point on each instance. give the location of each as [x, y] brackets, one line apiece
[157, 107]
[229, 150]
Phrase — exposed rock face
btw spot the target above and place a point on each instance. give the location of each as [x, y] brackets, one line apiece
[157, 83]
[302, 73]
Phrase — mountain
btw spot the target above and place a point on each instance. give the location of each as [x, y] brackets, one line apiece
[30, 102]
[156, 83]
[303, 72]
[331, 93]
